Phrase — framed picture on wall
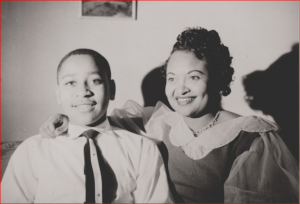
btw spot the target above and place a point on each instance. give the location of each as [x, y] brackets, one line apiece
[108, 9]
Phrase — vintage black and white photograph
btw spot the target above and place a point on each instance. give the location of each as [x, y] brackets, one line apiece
[184, 102]
[109, 9]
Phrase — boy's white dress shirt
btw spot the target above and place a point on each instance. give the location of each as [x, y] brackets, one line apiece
[43, 170]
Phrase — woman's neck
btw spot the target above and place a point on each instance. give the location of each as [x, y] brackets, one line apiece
[200, 122]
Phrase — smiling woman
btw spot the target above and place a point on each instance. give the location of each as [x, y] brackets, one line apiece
[212, 155]
[198, 72]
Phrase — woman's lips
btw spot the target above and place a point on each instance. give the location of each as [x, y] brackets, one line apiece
[184, 100]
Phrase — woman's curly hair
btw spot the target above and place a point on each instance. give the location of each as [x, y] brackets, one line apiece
[207, 46]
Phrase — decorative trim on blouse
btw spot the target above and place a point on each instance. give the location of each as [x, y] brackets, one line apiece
[215, 137]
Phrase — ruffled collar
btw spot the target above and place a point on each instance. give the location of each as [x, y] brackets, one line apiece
[215, 137]
[218, 135]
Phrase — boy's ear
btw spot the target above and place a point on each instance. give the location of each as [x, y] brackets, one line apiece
[57, 95]
[112, 87]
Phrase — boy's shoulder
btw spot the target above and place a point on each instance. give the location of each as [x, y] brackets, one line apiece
[27, 149]
[33, 143]
[134, 138]
[31, 140]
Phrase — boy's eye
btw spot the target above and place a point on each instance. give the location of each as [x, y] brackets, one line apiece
[70, 83]
[195, 77]
[96, 81]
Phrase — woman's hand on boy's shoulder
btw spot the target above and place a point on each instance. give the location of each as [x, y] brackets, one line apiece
[54, 126]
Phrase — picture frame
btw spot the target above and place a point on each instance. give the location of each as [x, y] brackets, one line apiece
[125, 10]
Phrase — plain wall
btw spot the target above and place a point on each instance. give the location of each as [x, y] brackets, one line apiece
[36, 35]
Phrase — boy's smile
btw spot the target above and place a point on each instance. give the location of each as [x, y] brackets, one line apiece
[84, 106]
[83, 90]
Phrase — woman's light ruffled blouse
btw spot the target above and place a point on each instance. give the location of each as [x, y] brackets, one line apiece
[265, 173]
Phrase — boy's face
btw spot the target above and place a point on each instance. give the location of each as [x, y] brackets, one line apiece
[83, 90]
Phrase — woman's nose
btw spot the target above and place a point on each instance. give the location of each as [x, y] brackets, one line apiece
[183, 88]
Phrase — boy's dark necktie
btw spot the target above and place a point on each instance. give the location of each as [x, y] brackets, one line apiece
[109, 181]
[88, 169]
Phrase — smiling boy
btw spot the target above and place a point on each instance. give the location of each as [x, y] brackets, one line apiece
[112, 166]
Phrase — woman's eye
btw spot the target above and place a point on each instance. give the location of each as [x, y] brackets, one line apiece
[170, 79]
[195, 77]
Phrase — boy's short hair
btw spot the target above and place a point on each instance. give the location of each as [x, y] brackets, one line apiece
[100, 61]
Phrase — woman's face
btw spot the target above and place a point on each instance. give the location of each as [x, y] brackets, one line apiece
[186, 86]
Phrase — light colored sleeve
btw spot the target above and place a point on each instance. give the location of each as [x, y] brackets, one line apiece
[132, 117]
[267, 173]
[20, 180]
[152, 183]
[145, 121]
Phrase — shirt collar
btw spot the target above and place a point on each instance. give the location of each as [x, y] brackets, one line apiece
[75, 131]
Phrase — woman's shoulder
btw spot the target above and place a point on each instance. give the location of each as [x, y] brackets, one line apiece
[257, 124]
[226, 116]
[247, 123]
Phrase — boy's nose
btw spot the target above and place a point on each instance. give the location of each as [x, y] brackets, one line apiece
[83, 91]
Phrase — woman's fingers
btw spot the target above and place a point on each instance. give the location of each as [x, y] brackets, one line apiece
[45, 131]
[61, 124]
[55, 125]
